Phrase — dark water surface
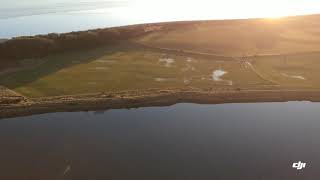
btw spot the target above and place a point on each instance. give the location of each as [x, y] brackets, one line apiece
[185, 141]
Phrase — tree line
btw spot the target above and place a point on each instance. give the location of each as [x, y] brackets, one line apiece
[44, 45]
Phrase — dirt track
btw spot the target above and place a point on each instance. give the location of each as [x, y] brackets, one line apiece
[152, 97]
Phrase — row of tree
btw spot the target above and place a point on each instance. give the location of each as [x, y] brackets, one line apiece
[44, 45]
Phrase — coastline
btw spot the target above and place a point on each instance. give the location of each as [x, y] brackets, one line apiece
[149, 98]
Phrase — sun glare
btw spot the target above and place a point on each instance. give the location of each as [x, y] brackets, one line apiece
[208, 9]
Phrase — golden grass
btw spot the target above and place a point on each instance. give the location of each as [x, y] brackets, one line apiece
[242, 37]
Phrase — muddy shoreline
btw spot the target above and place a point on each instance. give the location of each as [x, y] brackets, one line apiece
[149, 98]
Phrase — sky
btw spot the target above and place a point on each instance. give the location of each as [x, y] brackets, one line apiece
[31, 17]
[192, 9]
[229, 9]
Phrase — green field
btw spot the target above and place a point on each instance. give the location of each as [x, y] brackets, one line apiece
[160, 59]
[121, 68]
[131, 68]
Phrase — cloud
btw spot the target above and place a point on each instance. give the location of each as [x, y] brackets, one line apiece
[12, 9]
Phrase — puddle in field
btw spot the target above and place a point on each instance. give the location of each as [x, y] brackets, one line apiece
[164, 79]
[167, 61]
[189, 59]
[187, 81]
[159, 79]
[217, 74]
[294, 76]
[248, 65]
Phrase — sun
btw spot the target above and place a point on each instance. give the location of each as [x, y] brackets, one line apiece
[210, 9]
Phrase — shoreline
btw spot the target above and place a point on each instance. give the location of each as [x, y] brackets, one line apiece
[149, 98]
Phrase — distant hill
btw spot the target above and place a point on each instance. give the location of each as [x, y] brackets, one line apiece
[221, 37]
[242, 37]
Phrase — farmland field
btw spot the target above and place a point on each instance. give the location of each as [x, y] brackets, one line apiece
[132, 67]
[241, 54]
[122, 68]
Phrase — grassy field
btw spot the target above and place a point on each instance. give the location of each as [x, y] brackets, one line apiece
[123, 68]
[241, 37]
[131, 66]
[291, 71]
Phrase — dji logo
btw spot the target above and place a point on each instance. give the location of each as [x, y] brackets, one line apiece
[299, 165]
